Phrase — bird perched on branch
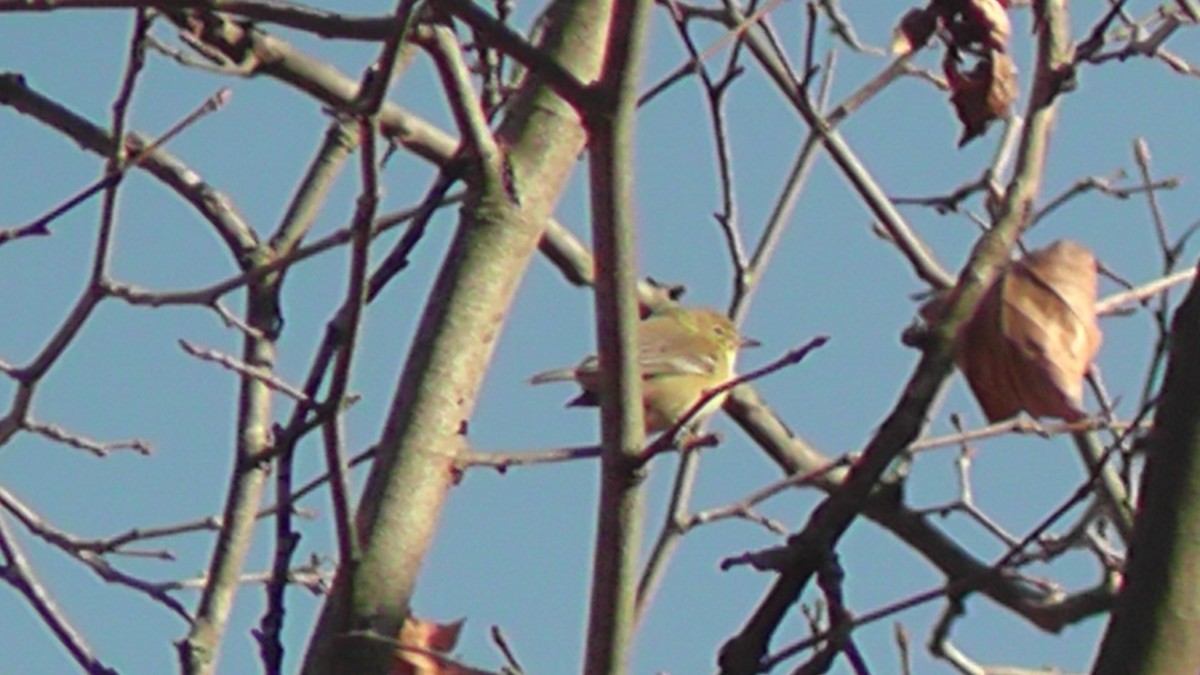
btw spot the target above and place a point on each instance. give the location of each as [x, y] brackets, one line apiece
[682, 352]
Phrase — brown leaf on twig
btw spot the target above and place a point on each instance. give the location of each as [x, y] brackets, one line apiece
[982, 94]
[978, 30]
[974, 26]
[971, 26]
[913, 31]
[1032, 337]
[424, 648]
[990, 19]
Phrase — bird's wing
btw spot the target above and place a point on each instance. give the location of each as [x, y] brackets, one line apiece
[658, 364]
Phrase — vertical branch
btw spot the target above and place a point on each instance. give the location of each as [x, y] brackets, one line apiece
[340, 350]
[340, 140]
[1155, 629]
[254, 449]
[352, 310]
[116, 162]
[372, 92]
[1161, 313]
[671, 533]
[619, 521]
[198, 651]
[510, 194]
[715, 92]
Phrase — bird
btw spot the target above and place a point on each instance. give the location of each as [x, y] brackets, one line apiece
[682, 352]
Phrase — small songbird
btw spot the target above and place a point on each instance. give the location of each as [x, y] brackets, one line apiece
[681, 353]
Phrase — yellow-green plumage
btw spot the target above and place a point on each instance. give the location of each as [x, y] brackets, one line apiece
[681, 353]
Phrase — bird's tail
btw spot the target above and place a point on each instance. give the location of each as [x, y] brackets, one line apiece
[557, 375]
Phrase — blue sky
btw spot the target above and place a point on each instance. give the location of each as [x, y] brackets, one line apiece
[514, 549]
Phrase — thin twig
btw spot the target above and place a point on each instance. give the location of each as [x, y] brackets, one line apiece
[39, 226]
[98, 448]
[17, 573]
[268, 378]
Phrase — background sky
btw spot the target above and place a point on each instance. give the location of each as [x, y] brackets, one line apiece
[514, 550]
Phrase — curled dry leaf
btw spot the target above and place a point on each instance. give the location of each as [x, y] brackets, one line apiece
[424, 648]
[975, 29]
[990, 19]
[913, 31]
[1032, 337]
[983, 94]
[973, 26]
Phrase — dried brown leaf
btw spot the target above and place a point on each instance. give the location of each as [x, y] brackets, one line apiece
[991, 19]
[983, 94]
[913, 31]
[424, 647]
[1033, 336]
[974, 26]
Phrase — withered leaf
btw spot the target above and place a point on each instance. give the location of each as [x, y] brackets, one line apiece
[424, 648]
[1032, 337]
[974, 26]
[991, 18]
[982, 94]
[913, 31]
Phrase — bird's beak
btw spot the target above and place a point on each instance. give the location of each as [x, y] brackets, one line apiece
[749, 342]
